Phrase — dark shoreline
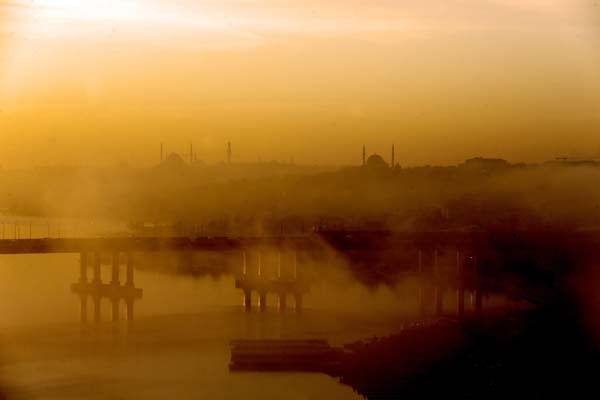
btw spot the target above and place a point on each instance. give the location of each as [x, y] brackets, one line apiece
[541, 353]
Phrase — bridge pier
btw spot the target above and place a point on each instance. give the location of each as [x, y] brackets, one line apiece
[97, 277]
[114, 291]
[259, 263]
[115, 309]
[263, 301]
[422, 285]
[129, 306]
[244, 263]
[295, 265]
[115, 269]
[248, 299]
[460, 293]
[282, 301]
[97, 311]
[478, 287]
[439, 286]
[270, 272]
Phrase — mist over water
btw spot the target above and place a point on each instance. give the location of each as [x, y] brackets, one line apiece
[178, 344]
[398, 196]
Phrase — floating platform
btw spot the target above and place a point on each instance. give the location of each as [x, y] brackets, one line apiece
[284, 355]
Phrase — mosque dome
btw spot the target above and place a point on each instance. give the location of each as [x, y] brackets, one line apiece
[376, 161]
[173, 160]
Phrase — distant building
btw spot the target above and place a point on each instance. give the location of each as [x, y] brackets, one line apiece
[375, 161]
[173, 161]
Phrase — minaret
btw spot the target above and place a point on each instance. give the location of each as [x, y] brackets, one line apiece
[364, 156]
[228, 152]
[393, 157]
[191, 154]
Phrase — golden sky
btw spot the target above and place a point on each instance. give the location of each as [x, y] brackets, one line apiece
[103, 81]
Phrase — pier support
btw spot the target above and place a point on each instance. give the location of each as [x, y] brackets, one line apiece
[97, 278]
[96, 290]
[423, 286]
[129, 304]
[478, 287]
[282, 301]
[244, 263]
[460, 293]
[273, 273]
[97, 315]
[295, 266]
[247, 300]
[439, 289]
[263, 301]
[115, 269]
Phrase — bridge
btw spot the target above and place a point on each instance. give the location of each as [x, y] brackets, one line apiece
[146, 244]
[468, 264]
[340, 241]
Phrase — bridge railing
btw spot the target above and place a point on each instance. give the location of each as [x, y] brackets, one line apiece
[19, 228]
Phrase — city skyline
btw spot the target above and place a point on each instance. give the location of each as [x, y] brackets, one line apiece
[84, 81]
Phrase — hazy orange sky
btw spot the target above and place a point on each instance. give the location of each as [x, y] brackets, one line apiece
[104, 81]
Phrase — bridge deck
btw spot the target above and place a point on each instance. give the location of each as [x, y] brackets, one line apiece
[145, 244]
[337, 240]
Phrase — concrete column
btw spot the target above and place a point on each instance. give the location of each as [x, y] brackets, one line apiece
[282, 301]
[83, 308]
[298, 298]
[461, 285]
[97, 314]
[115, 309]
[115, 268]
[129, 304]
[244, 263]
[248, 300]
[439, 289]
[422, 283]
[263, 301]
[83, 267]
[129, 281]
[259, 265]
[295, 265]
[279, 264]
[478, 287]
[97, 277]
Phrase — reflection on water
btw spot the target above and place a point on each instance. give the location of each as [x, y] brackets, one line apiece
[178, 345]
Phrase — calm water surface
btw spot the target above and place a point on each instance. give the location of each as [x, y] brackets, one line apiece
[178, 345]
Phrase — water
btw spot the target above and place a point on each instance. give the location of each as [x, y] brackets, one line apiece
[178, 344]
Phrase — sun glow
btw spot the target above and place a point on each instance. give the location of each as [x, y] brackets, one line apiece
[90, 10]
[73, 18]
